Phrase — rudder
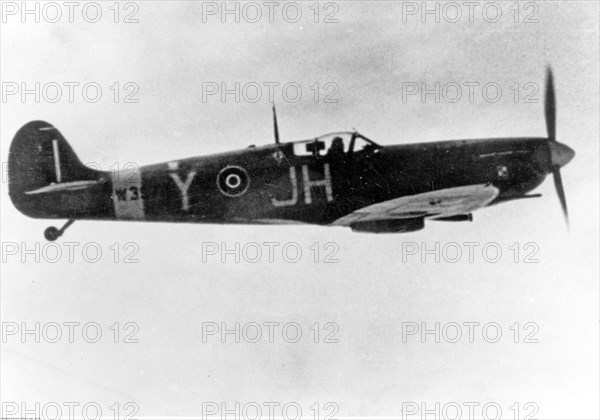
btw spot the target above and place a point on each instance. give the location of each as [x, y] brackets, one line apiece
[39, 156]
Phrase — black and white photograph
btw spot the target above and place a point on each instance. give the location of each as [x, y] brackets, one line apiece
[300, 210]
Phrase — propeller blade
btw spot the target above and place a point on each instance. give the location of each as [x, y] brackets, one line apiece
[550, 106]
[561, 193]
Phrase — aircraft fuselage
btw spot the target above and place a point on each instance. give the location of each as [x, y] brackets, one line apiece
[271, 184]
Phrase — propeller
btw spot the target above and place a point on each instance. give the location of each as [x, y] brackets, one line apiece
[560, 154]
[550, 106]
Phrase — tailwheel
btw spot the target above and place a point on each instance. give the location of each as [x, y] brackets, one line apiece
[52, 233]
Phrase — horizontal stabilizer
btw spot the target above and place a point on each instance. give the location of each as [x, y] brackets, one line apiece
[65, 186]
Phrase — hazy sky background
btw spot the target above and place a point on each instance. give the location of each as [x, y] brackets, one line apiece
[368, 54]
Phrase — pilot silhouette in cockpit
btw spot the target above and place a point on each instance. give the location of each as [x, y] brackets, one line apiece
[337, 147]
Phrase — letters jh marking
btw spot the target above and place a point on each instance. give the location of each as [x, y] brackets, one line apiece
[308, 184]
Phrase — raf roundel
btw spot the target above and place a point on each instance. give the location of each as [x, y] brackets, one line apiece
[233, 181]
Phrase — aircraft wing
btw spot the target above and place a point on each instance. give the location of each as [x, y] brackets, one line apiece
[441, 203]
[65, 186]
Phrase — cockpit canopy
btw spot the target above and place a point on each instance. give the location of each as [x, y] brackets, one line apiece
[339, 143]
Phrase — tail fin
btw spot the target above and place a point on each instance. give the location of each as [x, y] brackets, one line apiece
[39, 160]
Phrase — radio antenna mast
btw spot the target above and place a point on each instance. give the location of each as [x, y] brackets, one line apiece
[275, 125]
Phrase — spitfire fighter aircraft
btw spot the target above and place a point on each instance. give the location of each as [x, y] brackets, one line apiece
[340, 179]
